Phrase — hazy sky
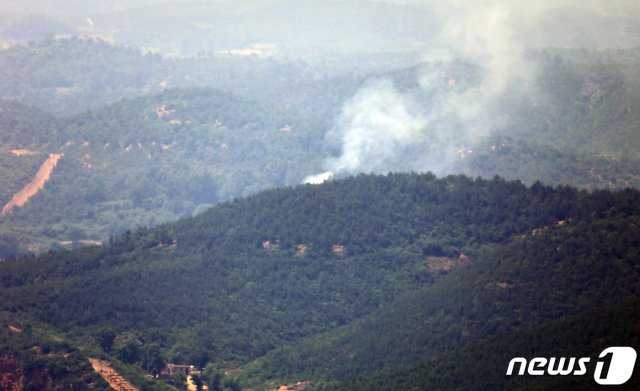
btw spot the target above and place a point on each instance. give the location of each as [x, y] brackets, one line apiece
[564, 23]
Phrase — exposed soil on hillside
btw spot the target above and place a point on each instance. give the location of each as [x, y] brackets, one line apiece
[22, 152]
[36, 184]
[10, 377]
[112, 377]
[299, 386]
[445, 264]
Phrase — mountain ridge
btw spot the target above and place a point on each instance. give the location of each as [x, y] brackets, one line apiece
[363, 271]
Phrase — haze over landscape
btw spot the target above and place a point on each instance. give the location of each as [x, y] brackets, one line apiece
[317, 195]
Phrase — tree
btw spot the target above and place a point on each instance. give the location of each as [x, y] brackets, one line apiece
[105, 337]
[213, 378]
[198, 382]
[180, 380]
[232, 384]
[127, 347]
[152, 359]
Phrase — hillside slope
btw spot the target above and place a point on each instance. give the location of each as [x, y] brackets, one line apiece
[152, 159]
[551, 274]
[37, 183]
[70, 76]
[483, 365]
[343, 279]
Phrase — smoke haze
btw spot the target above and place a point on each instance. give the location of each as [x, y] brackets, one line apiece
[428, 128]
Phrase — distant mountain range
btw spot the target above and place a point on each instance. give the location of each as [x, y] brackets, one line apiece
[143, 160]
[306, 29]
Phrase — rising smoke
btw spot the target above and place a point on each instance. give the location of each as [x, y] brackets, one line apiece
[428, 128]
[380, 123]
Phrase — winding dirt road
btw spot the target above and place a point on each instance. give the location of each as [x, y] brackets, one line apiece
[36, 184]
[114, 379]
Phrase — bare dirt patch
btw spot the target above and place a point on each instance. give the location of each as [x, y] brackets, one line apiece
[15, 329]
[446, 264]
[22, 152]
[36, 184]
[112, 377]
[299, 386]
[90, 242]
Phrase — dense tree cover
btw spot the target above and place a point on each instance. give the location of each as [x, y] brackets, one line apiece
[330, 283]
[586, 100]
[66, 76]
[513, 158]
[126, 165]
[591, 261]
[149, 160]
[579, 100]
[15, 172]
[138, 162]
[232, 284]
[575, 101]
[483, 365]
[25, 127]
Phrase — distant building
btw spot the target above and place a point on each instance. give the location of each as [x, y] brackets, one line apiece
[174, 369]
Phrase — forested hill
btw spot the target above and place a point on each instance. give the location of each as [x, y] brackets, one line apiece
[152, 159]
[589, 102]
[339, 279]
[515, 290]
[583, 100]
[153, 148]
[147, 160]
[69, 76]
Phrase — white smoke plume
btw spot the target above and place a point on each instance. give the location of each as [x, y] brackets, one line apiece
[383, 129]
[380, 127]
[380, 124]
